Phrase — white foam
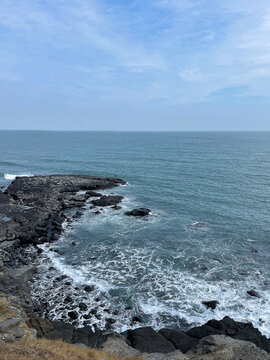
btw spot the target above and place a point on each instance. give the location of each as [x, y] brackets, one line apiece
[13, 176]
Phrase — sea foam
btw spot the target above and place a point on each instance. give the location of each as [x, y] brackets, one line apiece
[13, 176]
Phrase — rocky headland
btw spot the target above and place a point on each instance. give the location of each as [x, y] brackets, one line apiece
[32, 212]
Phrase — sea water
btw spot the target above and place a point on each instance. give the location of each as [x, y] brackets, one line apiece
[207, 237]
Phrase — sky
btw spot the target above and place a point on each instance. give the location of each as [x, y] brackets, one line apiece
[128, 65]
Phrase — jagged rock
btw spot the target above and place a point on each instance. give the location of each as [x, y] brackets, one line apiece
[138, 212]
[211, 304]
[176, 355]
[43, 327]
[116, 207]
[33, 204]
[147, 340]
[220, 347]
[136, 319]
[115, 344]
[179, 339]
[22, 274]
[108, 200]
[82, 306]
[10, 330]
[234, 329]
[89, 288]
[253, 293]
[73, 315]
[68, 299]
[92, 194]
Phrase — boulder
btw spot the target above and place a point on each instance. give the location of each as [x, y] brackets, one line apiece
[176, 355]
[116, 345]
[82, 306]
[211, 304]
[147, 340]
[68, 299]
[108, 200]
[136, 319]
[179, 339]
[232, 328]
[73, 315]
[89, 288]
[10, 330]
[253, 293]
[138, 212]
[221, 347]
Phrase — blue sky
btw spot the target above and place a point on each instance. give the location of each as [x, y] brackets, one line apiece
[135, 65]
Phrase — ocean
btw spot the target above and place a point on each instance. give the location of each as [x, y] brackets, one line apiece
[207, 237]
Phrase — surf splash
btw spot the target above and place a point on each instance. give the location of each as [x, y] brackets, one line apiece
[13, 176]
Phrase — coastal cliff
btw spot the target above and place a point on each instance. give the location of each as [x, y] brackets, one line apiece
[32, 212]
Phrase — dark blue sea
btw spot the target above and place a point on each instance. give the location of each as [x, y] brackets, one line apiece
[208, 236]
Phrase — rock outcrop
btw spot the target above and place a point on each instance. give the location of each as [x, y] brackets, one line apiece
[141, 212]
[31, 209]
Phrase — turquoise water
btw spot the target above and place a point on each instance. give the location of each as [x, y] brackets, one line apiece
[208, 235]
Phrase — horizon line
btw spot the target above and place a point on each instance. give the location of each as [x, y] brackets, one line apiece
[134, 131]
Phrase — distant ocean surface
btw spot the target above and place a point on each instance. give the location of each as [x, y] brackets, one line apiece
[207, 239]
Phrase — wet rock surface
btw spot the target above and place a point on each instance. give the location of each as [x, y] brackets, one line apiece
[34, 206]
[210, 304]
[141, 212]
[108, 200]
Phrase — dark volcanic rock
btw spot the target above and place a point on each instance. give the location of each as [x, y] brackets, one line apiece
[33, 204]
[253, 293]
[179, 339]
[148, 340]
[211, 304]
[68, 299]
[82, 306]
[116, 207]
[108, 200]
[136, 319]
[92, 194]
[89, 288]
[234, 329]
[73, 315]
[138, 212]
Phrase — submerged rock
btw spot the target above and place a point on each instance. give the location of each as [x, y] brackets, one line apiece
[138, 212]
[116, 207]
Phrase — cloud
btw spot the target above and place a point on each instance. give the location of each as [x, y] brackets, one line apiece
[192, 75]
[164, 51]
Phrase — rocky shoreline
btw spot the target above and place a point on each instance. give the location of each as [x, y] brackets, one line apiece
[32, 212]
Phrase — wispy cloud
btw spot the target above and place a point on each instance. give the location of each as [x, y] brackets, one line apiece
[168, 51]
